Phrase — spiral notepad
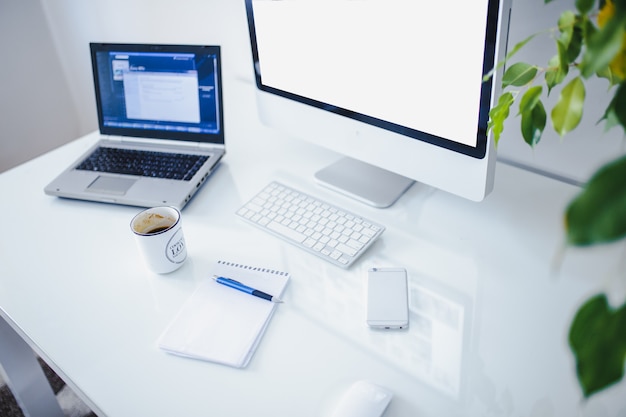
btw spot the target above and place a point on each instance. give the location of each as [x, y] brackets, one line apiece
[223, 325]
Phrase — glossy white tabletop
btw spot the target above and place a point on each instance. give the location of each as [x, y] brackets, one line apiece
[489, 314]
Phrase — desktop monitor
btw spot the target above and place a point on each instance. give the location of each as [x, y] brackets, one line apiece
[396, 86]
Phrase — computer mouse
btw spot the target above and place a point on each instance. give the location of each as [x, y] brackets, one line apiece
[363, 399]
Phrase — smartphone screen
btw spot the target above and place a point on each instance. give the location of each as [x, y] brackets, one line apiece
[387, 298]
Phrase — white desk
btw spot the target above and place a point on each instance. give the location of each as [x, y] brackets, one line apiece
[489, 319]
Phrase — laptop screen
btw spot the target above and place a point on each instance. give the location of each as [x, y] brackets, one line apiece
[159, 91]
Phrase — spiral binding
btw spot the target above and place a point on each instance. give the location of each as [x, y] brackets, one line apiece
[252, 268]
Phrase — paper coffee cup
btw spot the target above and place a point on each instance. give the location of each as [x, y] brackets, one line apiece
[159, 235]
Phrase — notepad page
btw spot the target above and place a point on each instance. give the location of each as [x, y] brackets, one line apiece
[221, 324]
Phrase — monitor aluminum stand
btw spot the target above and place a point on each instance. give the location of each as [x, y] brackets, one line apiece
[364, 182]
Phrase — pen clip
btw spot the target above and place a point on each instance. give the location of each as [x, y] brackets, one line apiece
[215, 278]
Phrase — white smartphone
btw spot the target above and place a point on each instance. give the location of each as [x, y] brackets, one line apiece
[387, 298]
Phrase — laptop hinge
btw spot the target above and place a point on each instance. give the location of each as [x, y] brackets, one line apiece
[209, 145]
[160, 142]
[113, 138]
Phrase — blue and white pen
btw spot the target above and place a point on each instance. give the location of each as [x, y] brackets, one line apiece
[244, 288]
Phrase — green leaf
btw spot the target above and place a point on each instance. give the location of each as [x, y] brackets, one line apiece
[603, 45]
[566, 27]
[554, 76]
[614, 113]
[509, 55]
[533, 124]
[519, 74]
[563, 58]
[575, 44]
[568, 111]
[584, 6]
[571, 38]
[530, 99]
[608, 74]
[598, 213]
[589, 29]
[519, 46]
[619, 104]
[597, 338]
[610, 118]
[498, 115]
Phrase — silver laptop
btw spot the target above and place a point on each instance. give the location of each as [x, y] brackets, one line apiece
[162, 126]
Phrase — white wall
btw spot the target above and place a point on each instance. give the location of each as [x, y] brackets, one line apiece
[36, 110]
[65, 27]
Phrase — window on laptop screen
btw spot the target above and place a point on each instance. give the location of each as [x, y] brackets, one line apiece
[165, 91]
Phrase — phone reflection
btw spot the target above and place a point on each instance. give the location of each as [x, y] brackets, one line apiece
[437, 351]
[434, 347]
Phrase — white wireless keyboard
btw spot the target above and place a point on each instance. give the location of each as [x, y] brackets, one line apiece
[325, 230]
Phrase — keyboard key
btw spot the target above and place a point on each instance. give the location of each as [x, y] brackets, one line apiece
[287, 232]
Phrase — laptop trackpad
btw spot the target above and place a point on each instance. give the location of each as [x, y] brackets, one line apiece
[111, 185]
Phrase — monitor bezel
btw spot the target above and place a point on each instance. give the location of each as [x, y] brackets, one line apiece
[482, 135]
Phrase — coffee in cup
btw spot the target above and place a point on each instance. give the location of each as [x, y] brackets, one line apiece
[159, 236]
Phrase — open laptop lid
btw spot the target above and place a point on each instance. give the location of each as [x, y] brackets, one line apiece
[135, 83]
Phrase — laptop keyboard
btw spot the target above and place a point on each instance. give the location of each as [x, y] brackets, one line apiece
[330, 232]
[143, 163]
